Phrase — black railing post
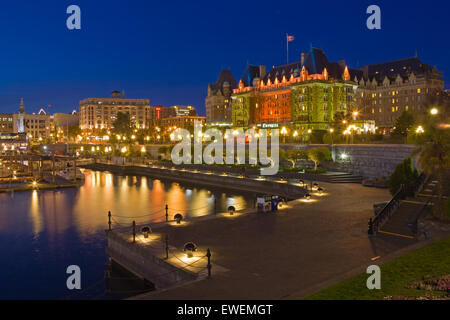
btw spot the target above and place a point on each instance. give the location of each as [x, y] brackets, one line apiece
[167, 213]
[109, 220]
[167, 246]
[370, 232]
[134, 231]
[208, 255]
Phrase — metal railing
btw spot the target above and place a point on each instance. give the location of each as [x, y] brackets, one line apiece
[383, 216]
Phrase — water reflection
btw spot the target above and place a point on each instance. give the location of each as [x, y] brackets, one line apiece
[43, 232]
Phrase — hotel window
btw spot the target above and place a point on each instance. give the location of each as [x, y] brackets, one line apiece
[418, 90]
[393, 109]
[406, 108]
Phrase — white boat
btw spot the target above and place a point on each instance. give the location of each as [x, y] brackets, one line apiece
[69, 174]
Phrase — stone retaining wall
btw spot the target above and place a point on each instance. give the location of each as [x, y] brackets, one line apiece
[369, 161]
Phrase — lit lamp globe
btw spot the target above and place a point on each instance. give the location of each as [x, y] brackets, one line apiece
[146, 231]
[190, 248]
[178, 217]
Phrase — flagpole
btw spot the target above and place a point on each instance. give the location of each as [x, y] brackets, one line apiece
[287, 49]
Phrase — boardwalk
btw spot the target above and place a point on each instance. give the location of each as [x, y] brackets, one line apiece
[284, 255]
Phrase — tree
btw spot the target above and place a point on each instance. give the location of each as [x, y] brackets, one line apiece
[434, 151]
[403, 124]
[404, 174]
[74, 131]
[122, 124]
[293, 155]
[341, 121]
[318, 155]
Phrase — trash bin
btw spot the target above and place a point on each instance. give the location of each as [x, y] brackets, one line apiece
[261, 201]
[274, 202]
[264, 203]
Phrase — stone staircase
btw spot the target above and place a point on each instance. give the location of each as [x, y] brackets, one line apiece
[342, 177]
[404, 220]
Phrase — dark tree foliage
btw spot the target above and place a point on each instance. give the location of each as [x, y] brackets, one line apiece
[404, 174]
[403, 124]
[122, 124]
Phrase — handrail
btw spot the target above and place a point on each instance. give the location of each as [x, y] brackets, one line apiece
[394, 203]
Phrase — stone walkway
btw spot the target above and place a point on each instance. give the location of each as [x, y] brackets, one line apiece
[276, 256]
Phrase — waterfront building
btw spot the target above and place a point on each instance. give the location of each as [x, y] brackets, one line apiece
[6, 123]
[64, 120]
[387, 89]
[100, 113]
[303, 95]
[160, 112]
[184, 111]
[184, 122]
[218, 101]
[34, 126]
[37, 125]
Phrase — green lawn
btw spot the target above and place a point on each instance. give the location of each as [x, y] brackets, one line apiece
[430, 261]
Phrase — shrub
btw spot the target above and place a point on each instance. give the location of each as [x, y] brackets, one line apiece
[404, 174]
[318, 155]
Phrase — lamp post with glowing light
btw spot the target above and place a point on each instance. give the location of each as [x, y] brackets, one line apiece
[420, 130]
[284, 133]
[331, 135]
[434, 111]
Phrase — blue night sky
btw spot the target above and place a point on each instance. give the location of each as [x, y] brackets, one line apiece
[168, 51]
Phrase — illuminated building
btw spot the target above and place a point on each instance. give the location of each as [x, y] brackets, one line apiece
[100, 113]
[34, 126]
[218, 101]
[184, 122]
[387, 89]
[303, 95]
[6, 123]
[182, 111]
[160, 112]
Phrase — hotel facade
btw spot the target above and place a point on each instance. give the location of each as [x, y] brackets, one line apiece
[306, 95]
[387, 89]
[100, 113]
[303, 96]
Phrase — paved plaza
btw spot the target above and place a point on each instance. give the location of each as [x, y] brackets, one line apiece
[288, 254]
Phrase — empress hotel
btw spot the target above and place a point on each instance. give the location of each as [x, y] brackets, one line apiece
[306, 95]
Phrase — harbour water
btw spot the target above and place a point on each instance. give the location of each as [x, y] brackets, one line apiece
[44, 232]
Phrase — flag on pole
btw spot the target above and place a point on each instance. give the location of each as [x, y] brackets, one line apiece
[288, 39]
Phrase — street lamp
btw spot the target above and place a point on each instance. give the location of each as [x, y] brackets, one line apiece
[420, 130]
[284, 133]
[331, 135]
[434, 111]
